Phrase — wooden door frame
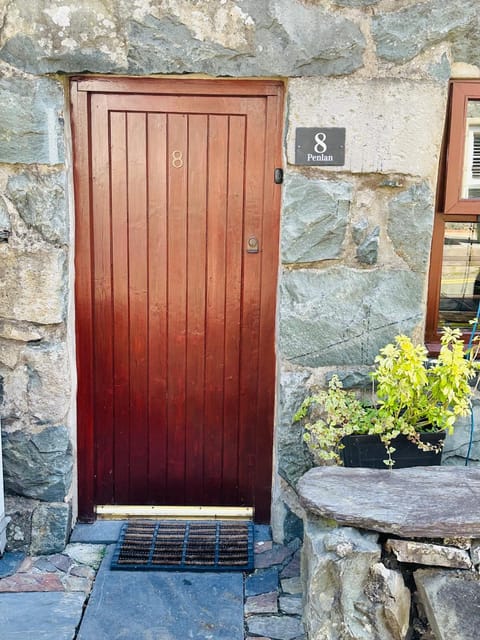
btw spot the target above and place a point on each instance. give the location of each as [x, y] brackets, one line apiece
[80, 90]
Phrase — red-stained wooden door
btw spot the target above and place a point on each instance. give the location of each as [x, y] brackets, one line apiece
[176, 265]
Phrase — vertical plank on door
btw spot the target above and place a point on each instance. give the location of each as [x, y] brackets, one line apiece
[215, 326]
[102, 312]
[84, 303]
[233, 276]
[266, 365]
[157, 309]
[177, 157]
[120, 294]
[138, 286]
[196, 279]
[250, 321]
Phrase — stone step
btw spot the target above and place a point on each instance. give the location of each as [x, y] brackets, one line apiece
[451, 600]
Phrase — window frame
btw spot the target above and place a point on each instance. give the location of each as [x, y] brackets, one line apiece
[450, 206]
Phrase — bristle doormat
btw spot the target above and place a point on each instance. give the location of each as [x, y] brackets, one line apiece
[167, 545]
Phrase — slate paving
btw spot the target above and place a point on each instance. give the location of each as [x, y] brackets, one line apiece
[273, 593]
[263, 605]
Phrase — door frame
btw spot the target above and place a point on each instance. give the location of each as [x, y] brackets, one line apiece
[80, 90]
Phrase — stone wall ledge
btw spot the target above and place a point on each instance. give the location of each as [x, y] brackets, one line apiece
[432, 502]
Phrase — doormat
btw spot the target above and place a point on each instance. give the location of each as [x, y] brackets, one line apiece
[178, 545]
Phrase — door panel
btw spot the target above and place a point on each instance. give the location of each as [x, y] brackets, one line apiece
[175, 318]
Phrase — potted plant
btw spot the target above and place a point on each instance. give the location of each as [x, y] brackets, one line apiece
[415, 402]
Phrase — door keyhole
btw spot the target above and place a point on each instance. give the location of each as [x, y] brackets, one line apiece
[252, 245]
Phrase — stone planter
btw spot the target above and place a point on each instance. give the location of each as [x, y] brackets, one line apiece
[369, 451]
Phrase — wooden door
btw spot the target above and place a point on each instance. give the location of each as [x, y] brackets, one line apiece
[176, 265]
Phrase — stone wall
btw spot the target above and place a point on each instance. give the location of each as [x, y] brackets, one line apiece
[355, 239]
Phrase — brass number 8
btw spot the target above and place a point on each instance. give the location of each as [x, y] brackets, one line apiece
[177, 159]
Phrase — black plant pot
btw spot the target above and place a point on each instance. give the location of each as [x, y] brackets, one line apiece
[369, 451]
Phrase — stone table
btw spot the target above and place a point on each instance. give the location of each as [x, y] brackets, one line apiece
[433, 502]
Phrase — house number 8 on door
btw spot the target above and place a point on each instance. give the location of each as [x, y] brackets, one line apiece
[177, 159]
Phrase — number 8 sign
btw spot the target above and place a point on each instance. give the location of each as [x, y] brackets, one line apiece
[320, 146]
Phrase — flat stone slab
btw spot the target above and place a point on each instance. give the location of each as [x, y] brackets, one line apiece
[163, 604]
[40, 616]
[99, 532]
[433, 502]
[452, 602]
[9, 562]
[433, 555]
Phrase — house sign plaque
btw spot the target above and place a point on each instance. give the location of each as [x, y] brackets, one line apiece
[320, 147]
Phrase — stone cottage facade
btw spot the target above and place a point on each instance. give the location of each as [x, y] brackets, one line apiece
[355, 238]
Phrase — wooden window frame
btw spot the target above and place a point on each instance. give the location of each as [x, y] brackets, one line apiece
[450, 206]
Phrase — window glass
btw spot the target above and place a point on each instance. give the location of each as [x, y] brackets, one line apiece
[460, 280]
[471, 164]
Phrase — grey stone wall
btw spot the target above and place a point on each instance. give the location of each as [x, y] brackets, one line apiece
[355, 239]
[34, 288]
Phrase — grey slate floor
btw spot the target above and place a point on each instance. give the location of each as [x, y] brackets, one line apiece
[130, 605]
[149, 605]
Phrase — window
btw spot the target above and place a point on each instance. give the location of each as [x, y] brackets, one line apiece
[454, 281]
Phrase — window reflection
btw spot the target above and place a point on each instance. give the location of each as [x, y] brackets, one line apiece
[460, 284]
[471, 163]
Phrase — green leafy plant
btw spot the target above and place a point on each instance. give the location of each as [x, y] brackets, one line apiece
[412, 396]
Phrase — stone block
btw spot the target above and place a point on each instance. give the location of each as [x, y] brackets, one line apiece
[30, 582]
[38, 465]
[19, 529]
[51, 524]
[40, 623]
[324, 43]
[401, 35]
[31, 128]
[410, 217]
[292, 586]
[41, 203]
[464, 46]
[457, 445]
[261, 581]
[367, 251]
[386, 590]
[451, 601]
[10, 563]
[314, 219]
[262, 546]
[19, 332]
[429, 554]
[276, 556]
[293, 458]
[9, 353]
[49, 382]
[5, 224]
[292, 605]
[263, 603]
[277, 627]
[392, 125]
[292, 527]
[71, 37]
[278, 38]
[99, 532]
[292, 569]
[87, 554]
[344, 316]
[32, 285]
[475, 552]
[352, 378]
[336, 567]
